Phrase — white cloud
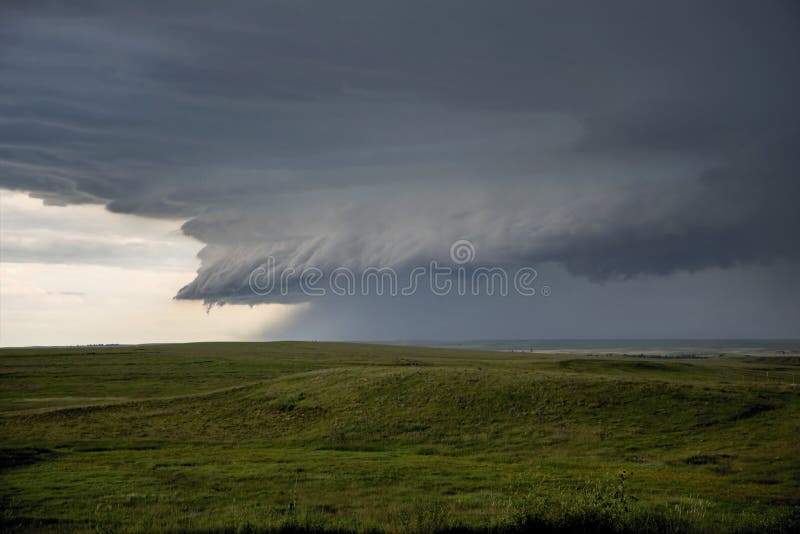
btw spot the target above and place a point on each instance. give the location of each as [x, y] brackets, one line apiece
[87, 233]
[118, 297]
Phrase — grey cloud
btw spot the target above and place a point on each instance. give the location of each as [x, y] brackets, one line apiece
[615, 139]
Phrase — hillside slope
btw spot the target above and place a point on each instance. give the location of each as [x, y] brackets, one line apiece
[361, 437]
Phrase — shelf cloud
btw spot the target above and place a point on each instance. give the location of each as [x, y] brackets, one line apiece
[614, 139]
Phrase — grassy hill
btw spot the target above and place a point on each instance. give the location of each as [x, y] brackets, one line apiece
[251, 437]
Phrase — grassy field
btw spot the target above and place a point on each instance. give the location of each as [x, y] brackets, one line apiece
[246, 437]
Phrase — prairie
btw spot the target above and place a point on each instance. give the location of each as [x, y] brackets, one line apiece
[296, 436]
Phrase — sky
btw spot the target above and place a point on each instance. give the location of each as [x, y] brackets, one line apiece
[638, 161]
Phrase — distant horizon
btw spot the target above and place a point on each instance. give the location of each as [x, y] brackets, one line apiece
[442, 342]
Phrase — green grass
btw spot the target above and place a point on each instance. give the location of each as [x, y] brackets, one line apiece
[261, 437]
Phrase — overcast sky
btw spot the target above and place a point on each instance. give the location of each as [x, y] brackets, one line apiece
[642, 157]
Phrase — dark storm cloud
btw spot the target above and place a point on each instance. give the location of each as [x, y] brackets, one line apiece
[614, 138]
